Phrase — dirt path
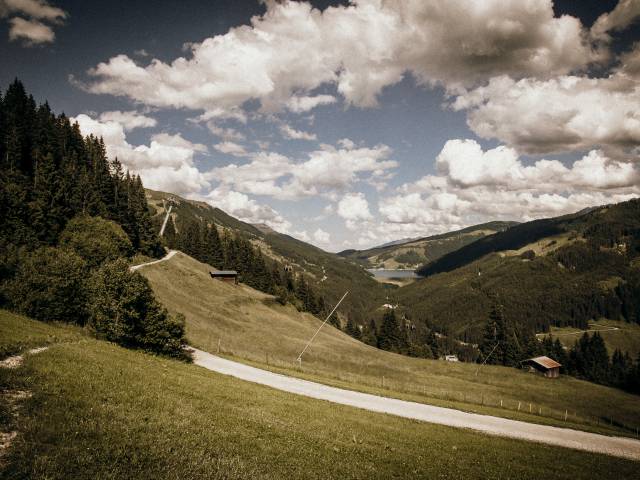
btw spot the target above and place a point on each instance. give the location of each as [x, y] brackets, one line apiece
[562, 437]
[169, 254]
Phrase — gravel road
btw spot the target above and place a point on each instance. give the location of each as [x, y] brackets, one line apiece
[561, 437]
[170, 254]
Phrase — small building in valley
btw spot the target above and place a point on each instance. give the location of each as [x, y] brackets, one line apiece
[544, 365]
[451, 358]
[229, 276]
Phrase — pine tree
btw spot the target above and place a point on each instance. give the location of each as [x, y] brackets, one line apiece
[214, 247]
[352, 329]
[46, 214]
[389, 334]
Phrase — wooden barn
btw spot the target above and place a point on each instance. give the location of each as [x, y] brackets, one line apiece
[544, 365]
[230, 276]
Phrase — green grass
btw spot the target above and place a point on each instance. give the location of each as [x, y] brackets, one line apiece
[249, 325]
[18, 333]
[99, 411]
[626, 338]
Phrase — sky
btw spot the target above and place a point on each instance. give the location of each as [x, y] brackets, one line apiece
[349, 124]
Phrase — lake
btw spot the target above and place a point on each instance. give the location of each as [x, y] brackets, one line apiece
[389, 273]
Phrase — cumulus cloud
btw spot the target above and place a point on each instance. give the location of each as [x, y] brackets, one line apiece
[354, 207]
[623, 15]
[291, 50]
[321, 237]
[167, 163]
[246, 209]
[226, 133]
[560, 114]
[129, 120]
[473, 186]
[31, 30]
[327, 171]
[630, 62]
[231, 148]
[292, 133]
[305, 103]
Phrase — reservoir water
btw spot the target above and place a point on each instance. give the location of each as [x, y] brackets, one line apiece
[389, 273]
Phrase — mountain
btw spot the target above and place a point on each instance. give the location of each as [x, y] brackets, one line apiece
[329, 274]
[397, 242]
[413, 252]
[560, 272]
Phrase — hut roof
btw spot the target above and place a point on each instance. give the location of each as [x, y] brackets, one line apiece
[223, 272]
[545, 362]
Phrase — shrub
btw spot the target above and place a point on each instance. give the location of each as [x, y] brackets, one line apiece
[96, 240]
[528, 255]
[49, 285]
[123, 309]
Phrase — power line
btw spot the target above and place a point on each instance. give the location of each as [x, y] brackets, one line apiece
[299, 359]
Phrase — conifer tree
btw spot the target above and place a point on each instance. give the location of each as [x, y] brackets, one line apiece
[389, 333]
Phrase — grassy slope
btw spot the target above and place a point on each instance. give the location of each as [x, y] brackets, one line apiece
[250, 326]
[125, 414]
[19, 333]
[428, 248]
[626, 338]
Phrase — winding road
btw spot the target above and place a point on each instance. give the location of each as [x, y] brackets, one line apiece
[169, 254]
[561, 437]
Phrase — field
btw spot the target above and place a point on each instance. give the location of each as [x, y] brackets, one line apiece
[616, 334]
[246, 324]
[93, 410]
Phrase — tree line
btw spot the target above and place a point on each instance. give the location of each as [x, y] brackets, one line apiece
[507, 343]
[403, 336]
[71, 220]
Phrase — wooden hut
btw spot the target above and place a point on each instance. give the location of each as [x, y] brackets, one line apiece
[544, 365]
[229, 276]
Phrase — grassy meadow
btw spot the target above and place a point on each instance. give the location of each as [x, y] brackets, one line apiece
[616, 335]
[99, 411]
[240, 322]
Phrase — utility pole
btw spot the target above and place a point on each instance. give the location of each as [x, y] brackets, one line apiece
[487, 358]
[299, 359]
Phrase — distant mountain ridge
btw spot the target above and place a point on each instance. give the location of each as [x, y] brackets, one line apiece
[414, 252]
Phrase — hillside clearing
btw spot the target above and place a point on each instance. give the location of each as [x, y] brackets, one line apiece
[240, 322]
[624, 336]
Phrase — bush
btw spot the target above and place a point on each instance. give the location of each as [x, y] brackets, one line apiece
[96, 240]
[49, 285]
[122, 309]
[528, 255]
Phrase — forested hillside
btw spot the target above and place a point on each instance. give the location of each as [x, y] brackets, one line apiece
[554, 272]
[71, 220]
[326, 275]
[560, 272]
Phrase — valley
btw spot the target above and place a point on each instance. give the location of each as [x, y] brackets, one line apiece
[129, 414]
